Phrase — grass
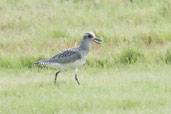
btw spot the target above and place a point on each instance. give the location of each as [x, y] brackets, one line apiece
[120, 90]
[128, 73]
[33, 28]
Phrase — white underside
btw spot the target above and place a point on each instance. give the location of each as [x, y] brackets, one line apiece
[66, 66]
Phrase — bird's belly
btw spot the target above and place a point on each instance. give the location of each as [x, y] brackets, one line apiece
[65, 66]
[54, 65]
[75, 64]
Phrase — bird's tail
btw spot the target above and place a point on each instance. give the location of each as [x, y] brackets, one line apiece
[43, 62]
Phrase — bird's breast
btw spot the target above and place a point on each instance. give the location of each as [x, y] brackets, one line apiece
[80, 62]
[74, 64]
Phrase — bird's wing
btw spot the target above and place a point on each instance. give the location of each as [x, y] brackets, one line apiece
[66, 56]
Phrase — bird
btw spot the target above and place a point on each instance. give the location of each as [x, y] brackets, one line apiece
[71, 58]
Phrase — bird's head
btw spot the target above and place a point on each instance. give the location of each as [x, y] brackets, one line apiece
[90, 36]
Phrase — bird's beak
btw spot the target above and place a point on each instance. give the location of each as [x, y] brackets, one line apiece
[97, 40]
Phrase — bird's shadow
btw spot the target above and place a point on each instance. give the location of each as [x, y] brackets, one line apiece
[59, 83]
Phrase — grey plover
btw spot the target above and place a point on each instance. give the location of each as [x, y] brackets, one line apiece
[72, 57]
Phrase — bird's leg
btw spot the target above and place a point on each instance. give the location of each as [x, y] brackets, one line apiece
[56, 76]
[76, 76]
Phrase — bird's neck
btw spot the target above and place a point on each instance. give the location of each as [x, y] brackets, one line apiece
[85, 45]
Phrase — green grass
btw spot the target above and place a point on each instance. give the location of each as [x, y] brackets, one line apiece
[129, 73]
[121, 90]
[33, 28]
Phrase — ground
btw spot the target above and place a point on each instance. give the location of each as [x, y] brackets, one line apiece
[120, 90]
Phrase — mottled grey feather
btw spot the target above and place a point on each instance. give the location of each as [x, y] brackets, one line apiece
[43, 62]
[66, 56]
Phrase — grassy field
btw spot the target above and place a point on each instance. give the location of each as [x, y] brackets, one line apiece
[130, 72]
[138, 30]
[132, 90]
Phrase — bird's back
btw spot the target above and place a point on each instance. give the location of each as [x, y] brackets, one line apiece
[66, 56]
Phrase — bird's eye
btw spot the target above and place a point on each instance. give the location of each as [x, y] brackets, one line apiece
[89, 36]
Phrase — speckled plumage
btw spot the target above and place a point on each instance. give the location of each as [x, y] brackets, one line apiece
[66, 56]
[72, 57]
